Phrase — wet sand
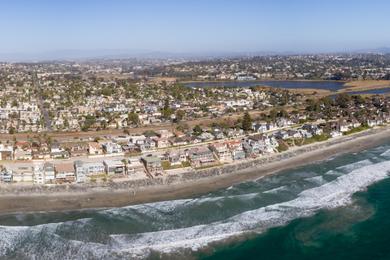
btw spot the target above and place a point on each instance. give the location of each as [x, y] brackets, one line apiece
[104, 198]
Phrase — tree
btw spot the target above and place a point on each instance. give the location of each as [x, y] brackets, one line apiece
[66, 123]
[273, 114]
[12, 130]
[197, 130]
[327, 101]
[88, 122]
[246, 122]
[313, 106]
[107, 91]
[167, 110]
[125, 162]
[180, 115]
[359, 100]
[204, 108]
[283, 113]
[14, 103]
[133, 118]
[343, 100]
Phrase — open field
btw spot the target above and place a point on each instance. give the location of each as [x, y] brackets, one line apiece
[362, 85]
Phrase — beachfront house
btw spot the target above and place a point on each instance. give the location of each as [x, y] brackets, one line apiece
[221, 151]
[65, 173]
[335, 133]
[201, 156]
[87, 169]
[236, 149]
[355, 123]
[134, 166]
[147, 145]
[176, 157]
[295, 134]
[39, 175]
[282, 134]
[305, 133]
[343, 126]
[6, 176]
[23, 174]
[313, 129]
[374, 122]
[49, 172]
[114, 167]
[256, 144]
[153, 165]
[6, 152]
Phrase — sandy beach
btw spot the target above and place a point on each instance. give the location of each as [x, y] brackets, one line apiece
[105, 198]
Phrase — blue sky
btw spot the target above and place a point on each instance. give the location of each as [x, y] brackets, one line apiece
[193, 25]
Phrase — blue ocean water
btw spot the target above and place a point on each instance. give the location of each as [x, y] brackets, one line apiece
[334, 209]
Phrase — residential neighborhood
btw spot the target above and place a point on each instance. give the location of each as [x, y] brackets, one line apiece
[155, 154]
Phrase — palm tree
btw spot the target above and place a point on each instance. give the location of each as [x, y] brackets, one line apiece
[125, 162]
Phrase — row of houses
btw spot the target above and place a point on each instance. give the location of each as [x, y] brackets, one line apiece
[223, 151]
[70, 172]
[24, 150]
[81, 171]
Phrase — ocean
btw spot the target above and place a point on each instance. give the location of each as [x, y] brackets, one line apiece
[334, 209]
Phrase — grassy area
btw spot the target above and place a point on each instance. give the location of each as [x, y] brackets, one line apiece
[357, 129]
[209, 166]
[314, 139]
[167, 165]
[282, 147]
[95, 178]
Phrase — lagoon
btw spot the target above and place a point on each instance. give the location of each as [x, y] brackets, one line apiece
[288, 84]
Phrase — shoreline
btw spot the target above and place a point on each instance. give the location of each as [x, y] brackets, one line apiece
[68, 198]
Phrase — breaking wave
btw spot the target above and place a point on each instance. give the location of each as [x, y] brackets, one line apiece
[331, 195]
[160, 227]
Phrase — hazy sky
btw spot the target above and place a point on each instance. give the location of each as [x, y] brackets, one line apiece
[193, 25]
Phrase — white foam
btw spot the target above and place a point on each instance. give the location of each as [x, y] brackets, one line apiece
[275, 190]
[319, 180]
[333, 173]
[149, 208]
[156, 208]
[330, 195]
[385, 154]
[353, 166]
